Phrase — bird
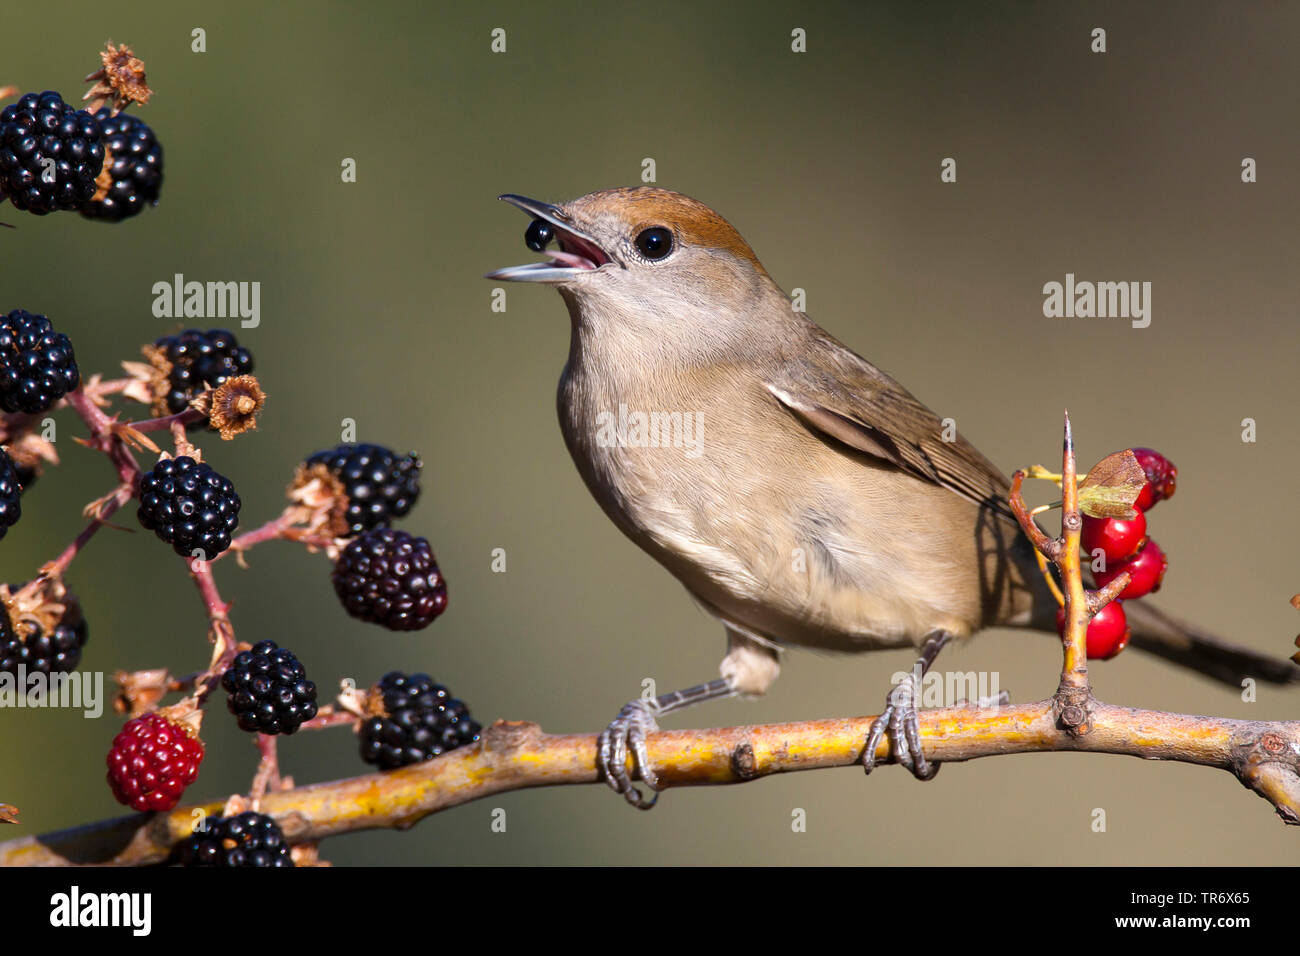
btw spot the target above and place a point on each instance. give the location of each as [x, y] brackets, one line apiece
[802, 496]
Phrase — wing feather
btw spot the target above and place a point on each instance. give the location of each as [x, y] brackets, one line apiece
[855, 403]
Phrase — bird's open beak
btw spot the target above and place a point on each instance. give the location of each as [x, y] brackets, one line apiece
[578, 252]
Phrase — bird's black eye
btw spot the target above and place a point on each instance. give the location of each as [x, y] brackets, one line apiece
[655, 242]
[539, 235]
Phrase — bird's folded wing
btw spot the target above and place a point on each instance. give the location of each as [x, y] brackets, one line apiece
[853, 402]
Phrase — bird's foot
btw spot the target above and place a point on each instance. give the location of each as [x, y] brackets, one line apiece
[900, 719]
[627, 732]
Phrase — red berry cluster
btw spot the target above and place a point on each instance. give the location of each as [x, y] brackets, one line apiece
[1126, 547]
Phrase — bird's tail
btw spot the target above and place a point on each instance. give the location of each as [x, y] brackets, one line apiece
[1157, 633]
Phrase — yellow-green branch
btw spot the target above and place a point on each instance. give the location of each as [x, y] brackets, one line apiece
[517, 756]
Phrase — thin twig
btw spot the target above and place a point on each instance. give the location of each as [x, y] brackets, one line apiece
[283, 528]
[220, 631]
[1074, 672]
[328, 717]
[190, 416]
[268, 769]
[106, 435]
[107, 508]
[1047, 546]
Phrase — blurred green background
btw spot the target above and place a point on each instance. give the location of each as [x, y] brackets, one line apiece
[1122, 166]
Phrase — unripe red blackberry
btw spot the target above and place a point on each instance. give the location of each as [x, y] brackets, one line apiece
[249, 839]
[390, 578]
[190, 506]
[50, 153]
[152, 760]
[268, 691]
[380, 484]
[419, 720]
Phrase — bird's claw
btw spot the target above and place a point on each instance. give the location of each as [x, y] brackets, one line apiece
[627, 732]
[900, 719]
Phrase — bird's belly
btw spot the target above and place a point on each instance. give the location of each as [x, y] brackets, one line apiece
[820, 550]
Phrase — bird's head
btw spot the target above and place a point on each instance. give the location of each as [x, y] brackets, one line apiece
[641, 255]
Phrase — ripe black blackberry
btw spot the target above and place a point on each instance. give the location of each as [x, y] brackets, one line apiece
[26, 474]
[190, 506]
[40, 651]
[11, 490]
[195, 361]
[420, 720]
[268, 690]
[50, 153]
[390, 578]
[132, 175]
[37, 366]
[249, 839]
[379, 483]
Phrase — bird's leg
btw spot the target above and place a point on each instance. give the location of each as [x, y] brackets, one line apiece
[899, 716]
[628, 731]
